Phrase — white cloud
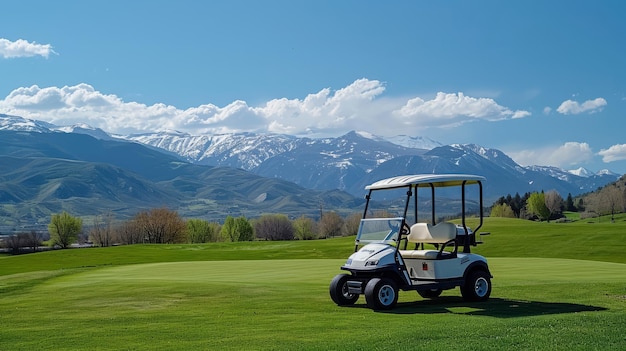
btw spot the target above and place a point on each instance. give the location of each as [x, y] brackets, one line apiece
[358, 106]
[566, 155]
[571, 107]
[453, 110]
[614, 153]
[23, 48]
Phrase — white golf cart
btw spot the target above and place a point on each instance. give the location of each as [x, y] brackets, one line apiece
[390, 254]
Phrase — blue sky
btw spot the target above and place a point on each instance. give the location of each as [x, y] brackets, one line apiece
[543, 81]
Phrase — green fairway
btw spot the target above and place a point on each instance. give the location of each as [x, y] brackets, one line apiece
[274, 296]
[284, 304]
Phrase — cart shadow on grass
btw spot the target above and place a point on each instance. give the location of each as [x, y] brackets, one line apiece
[494, 307]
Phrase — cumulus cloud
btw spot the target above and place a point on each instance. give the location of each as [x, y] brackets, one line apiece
[358, 106]
[566, 155]
[571, 107]
[453, 110]
[23, 48]
[614, 153]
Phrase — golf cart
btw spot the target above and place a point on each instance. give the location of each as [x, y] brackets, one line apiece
[390, 253]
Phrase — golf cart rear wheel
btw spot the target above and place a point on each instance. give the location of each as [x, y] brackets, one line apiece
[339, 291]
[381, 293]
[430, 294]
[477, 286]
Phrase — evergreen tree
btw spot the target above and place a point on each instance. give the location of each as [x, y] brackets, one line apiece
[569, 203]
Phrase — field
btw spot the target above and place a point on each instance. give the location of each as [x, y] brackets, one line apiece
[558, 286]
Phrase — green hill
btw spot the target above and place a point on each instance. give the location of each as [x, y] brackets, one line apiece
[46, 173]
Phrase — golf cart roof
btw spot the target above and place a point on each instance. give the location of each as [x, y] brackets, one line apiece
[423, 180]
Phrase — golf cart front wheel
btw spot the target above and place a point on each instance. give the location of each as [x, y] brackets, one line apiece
[381, 293]
[339, 291]
[477, 286]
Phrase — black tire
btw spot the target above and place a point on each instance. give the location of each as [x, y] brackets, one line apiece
[477, 286]
[381, 293]
[430, 294]
[339, 291]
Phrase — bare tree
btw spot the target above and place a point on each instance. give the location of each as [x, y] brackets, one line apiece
[13, 242]
[33, 240]
[128, 233]
[330, 224]
[351, 224]
[274, 227]
[161, 226]
[102, 231]
[613, 201]
[554, 202]
[610, 199]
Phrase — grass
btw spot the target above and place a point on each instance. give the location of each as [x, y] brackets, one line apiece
[274, 296]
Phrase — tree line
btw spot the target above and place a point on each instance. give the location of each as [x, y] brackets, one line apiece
[164, 226]
[607, 200]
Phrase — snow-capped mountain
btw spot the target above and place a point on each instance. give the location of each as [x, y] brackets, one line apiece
[16, 123]
[85, 129]
[351, 161]
[239, 150]
[348, 162]
[325, 163]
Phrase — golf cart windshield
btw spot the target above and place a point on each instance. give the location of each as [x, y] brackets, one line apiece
[379, 230]
[440, 201]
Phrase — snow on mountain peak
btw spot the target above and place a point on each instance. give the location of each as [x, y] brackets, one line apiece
[607, 172]
[83, 128]
[367, 135]
[17, 123]
[417, 142]
[581, 172]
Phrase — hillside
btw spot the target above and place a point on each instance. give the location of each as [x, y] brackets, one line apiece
[607, 200]
[45, 173]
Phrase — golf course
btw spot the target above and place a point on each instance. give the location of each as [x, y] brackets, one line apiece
[556, 286]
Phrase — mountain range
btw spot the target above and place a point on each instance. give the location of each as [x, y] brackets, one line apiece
[352, 161]
[86, 171]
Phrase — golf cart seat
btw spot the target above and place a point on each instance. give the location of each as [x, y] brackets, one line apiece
[441, 235]
[426, 233]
